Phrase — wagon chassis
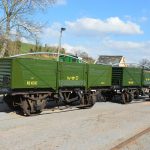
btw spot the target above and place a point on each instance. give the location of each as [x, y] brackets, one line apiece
[30, 102]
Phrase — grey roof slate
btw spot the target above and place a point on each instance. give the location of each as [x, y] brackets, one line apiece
[103, 59]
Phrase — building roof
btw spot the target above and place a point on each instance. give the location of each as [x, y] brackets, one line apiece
[104, 59]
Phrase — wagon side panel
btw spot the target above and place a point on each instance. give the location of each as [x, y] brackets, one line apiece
[99, 75]
[34, 73]
[72, 75]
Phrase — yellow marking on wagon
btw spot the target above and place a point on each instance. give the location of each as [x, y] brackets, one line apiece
[130, 82]
[102, 83]
[31, 83]
[147, 79]
[72, 77]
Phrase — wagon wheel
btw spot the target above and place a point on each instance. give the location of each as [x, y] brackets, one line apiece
[125, 98]
[26, 108]
[130, 97]
[82, 100]
[92, 99]
[100, 97]
[136, 94]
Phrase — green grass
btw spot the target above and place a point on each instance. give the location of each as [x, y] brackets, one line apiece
[25, 47]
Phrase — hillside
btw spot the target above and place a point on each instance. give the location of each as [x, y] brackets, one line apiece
[17, 47]
[26, 47]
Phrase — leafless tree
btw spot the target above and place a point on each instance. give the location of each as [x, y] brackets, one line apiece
[16, 19]
[85, 56]
[145, 63]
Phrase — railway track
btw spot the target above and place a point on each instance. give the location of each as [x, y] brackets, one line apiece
[131, 139]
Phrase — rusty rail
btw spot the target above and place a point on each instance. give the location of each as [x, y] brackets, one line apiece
[133, 138]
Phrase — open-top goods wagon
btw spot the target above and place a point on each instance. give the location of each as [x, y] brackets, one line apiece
[28, 83]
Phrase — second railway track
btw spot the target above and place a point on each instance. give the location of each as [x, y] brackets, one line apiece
[131, 139]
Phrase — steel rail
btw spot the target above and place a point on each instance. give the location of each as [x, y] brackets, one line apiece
[131, 139]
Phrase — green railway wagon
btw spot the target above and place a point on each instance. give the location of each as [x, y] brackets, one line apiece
[23, 73]
[126, 77]
[99, 76]
[28, 83]
[146, 78]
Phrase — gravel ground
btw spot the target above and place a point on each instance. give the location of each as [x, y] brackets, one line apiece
[102, 127]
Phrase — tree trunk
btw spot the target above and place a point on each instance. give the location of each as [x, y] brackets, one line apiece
[5, 51]
[4, 47]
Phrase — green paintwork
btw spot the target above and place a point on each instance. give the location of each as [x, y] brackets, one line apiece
[27, 73]
[146, 77]
[117, 74]
[99, 75]
[5, 72]
[126, 77]
[132, 76]
[72, 74]
[66, 58]
[33, 73]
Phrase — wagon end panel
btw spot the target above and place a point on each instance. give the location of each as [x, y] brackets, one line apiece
[117, 76]
[33, 73]
[5, 74]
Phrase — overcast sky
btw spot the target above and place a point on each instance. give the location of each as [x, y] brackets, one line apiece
[99, 27]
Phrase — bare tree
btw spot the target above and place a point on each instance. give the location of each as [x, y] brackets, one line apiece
[16, 19]
[145, 63]
[85, 56]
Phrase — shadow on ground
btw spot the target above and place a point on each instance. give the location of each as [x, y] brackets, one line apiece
[50, 106]
[3, 106]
